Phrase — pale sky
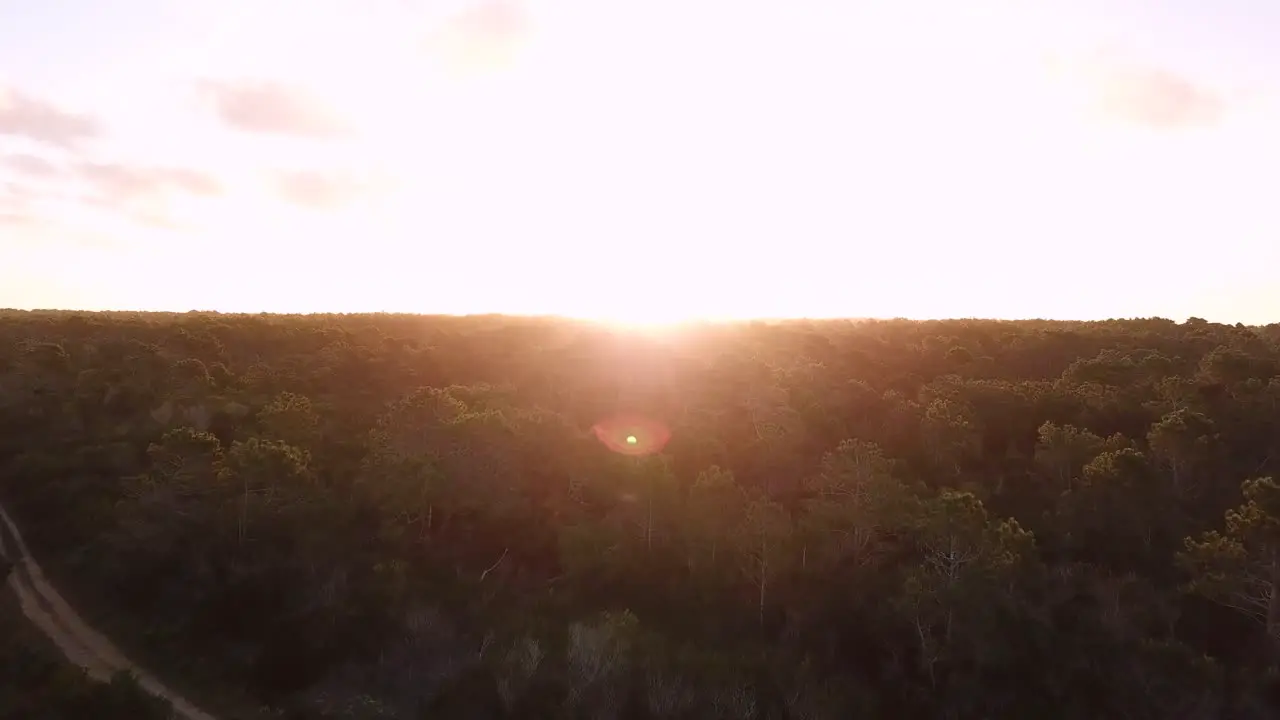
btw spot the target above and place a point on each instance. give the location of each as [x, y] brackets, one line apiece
[644, 159]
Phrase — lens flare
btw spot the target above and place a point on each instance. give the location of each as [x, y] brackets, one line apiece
[631, 435]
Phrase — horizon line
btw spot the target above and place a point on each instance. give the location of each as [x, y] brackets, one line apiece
[638, 324]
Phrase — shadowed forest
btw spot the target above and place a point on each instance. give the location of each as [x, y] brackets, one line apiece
[36, 685]
[396, 516]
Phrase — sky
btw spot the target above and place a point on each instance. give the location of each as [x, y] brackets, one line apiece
[643, 160]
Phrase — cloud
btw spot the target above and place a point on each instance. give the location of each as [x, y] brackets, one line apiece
[497, 21]
[159, 220]
[16, 202]
[19, 208]
[29, 166]
[1156, 98]
[14, 192]
[114, 182]
[144, 194]
[17, 218]
[318, 190]
[88, 193]
[272, 108]
[29, 117]
[484, 36]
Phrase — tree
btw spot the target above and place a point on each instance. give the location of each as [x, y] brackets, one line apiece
[403, 472]
[190, 380]
[716, 509]
[650, 492]
[970, 567]
[1240, 567]
[1063, 450]
[185, 457]
[763, 541]
[182, 483]
[950, 434]
[388, 510]
[1121, 512]
[270, 474]
[853, 502]
[1182, 443]
[290, 418]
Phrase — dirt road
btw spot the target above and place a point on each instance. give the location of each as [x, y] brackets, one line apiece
[81, 644]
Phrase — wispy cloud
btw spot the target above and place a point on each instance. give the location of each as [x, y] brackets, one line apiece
[29, 166]
[484, 36]
[14, 206]
[1155, 97]
[115, 182]
[143, 194]
[17, 204]
[318, 190]
[16, 219]
[24, 115]
[271, 108]
[140, 193]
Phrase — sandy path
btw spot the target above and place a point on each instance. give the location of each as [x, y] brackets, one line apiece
[80, 643]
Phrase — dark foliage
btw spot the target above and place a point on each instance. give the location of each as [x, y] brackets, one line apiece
[372, 516]
[34, 685]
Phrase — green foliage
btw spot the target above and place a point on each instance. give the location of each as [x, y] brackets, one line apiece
[1241, 568]
[389, 516]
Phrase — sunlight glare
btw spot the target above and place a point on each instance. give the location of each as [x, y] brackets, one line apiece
[537, 159]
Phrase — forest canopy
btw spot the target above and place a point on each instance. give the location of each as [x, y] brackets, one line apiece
[399, 516]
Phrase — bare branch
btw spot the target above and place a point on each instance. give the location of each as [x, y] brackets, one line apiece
[494, 566]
